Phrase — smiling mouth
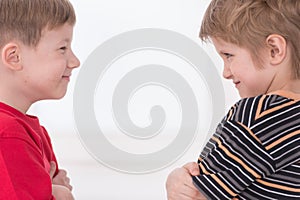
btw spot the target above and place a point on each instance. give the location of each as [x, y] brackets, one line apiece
[66, 77]
[236, 83]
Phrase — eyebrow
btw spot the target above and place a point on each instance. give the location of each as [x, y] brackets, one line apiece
[226, 51]
[66, 40]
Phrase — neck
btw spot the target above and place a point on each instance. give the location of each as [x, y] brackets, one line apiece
[292, 86]
[283, 80]
[18, 102]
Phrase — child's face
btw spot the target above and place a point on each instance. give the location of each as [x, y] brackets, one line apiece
[248, 78]
[47, 67]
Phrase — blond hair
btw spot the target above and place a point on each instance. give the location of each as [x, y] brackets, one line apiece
[247, 23]
[24, 20]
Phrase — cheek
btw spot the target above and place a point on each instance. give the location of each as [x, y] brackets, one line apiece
[244, 70]
[56, 70]
[259, 83]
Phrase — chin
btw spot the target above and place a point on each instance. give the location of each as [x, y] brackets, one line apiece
[59, 95]
[243, 95]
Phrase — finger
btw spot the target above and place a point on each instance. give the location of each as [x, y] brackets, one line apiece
[70, 187]
[62, 172]
[180, 185]
[52, 169]
[67, 183]
[192, 168]
[61, 192]
[67, 180]
[62, 179]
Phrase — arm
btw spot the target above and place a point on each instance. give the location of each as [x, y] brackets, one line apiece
[253, 153]
[26, 170]
[60, 178]
[237, 160]
[61, 189]
[180, 185]
[6, 186]
[61, 192]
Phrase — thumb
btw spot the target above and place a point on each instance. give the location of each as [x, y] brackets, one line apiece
[52, 169]
[192, 168]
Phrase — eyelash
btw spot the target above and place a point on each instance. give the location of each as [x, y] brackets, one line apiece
[227, 55]
[63, 48]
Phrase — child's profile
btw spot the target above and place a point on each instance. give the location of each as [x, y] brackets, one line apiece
[255, 150]
[36, 63]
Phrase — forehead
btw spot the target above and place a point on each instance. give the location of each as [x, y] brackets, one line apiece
[221, 44]
[64, 32]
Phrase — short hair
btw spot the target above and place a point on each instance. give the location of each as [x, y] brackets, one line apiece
[247, 23]
[24, 20]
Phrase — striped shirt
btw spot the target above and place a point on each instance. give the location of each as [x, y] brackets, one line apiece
[255, 151]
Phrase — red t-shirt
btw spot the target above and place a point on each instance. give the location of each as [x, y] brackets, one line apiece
[25, 155]
[6, 187]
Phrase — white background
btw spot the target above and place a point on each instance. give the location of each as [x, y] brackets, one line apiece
[97, 21]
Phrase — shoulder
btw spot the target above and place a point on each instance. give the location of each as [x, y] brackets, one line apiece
[8, 121]
[273, 119]
[254, 109]
[10, 126]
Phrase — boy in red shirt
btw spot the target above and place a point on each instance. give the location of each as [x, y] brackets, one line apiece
[36, 63]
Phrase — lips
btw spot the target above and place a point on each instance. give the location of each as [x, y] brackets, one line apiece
[236, 83]
[66, 77]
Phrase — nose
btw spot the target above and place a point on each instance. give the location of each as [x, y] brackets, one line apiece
[227, 72]
[73, 61]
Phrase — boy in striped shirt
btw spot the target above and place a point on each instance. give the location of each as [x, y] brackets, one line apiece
[255, 150]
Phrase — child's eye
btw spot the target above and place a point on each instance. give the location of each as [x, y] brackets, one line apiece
[227, 55]
[63, 49]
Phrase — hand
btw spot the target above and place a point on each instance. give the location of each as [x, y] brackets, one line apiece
[180, 185]
[61, 178]
[61, 192]
[192, 168]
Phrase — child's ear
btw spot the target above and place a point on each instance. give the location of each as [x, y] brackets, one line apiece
[11, 56]
[277, 48]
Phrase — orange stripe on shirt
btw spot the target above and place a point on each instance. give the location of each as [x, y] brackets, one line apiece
[236, 158]
[203, 169]
[258, 114]
[282, 187]
[282, 139]
[259, 107]
[223, 185]
[217, 180]
[249, 131]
